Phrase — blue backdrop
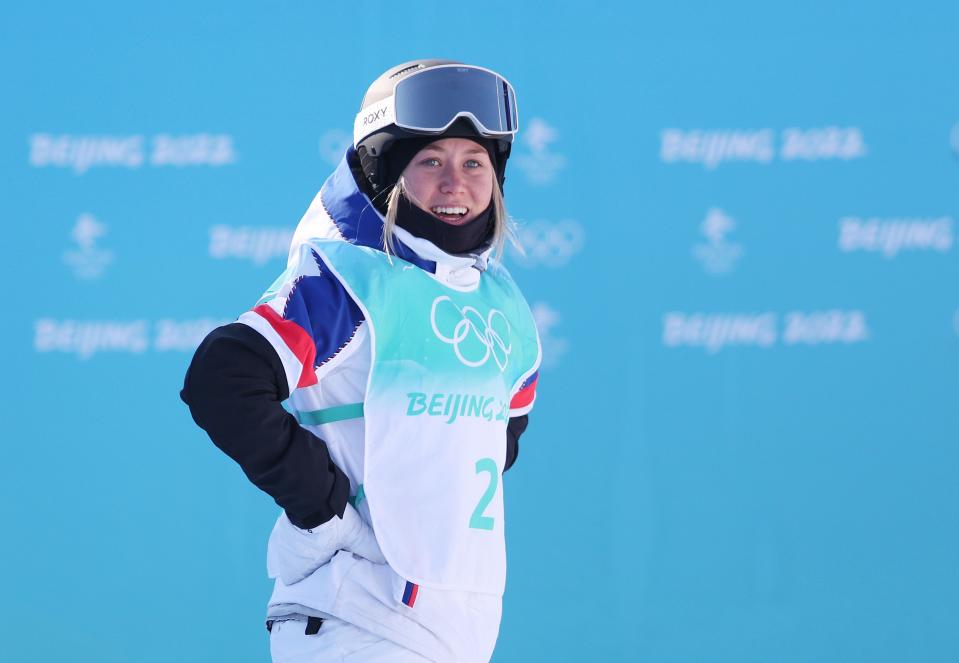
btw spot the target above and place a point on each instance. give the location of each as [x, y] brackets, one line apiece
[740, 221]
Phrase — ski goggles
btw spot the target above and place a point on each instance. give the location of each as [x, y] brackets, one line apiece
[429, 101]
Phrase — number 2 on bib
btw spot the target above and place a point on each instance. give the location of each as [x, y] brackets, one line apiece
[478, 520]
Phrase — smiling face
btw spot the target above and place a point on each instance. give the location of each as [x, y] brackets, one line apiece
[452, 179]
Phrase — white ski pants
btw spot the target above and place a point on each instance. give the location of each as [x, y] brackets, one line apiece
[336, 641]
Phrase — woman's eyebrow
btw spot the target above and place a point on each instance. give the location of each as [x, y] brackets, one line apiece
[434, 148]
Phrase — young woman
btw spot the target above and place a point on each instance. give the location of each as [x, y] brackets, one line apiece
[408, 358]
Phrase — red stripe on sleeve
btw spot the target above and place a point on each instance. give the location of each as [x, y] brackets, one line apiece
[524, 396]
[296, 339]
[416, 589]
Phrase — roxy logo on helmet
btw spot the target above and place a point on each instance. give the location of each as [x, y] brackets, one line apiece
[372, 118]
[474, 338]
[375, 116]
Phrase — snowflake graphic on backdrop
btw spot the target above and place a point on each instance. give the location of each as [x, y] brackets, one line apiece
[87, 260]
[717, 254]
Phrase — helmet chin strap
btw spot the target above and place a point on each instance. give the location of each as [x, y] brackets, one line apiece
[447, 237]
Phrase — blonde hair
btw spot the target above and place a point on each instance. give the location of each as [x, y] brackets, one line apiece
[503, 226]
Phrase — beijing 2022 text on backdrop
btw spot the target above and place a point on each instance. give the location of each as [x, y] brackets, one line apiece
[741, 226]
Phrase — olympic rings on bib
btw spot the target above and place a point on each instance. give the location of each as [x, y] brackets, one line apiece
[486, 338]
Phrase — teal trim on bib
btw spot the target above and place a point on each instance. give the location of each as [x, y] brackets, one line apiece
[357, 500]
[329, 415]
[479, 335]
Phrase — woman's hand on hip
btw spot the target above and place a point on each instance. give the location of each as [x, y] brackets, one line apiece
[295, 553]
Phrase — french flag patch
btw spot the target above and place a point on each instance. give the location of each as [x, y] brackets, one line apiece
[409, 594]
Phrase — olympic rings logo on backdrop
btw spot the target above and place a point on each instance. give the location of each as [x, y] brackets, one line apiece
[481, 336]
[549, 243]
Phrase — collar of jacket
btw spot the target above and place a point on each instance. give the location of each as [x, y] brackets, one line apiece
[459, 271]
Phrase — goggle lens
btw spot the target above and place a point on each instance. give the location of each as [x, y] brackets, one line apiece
[431, 100]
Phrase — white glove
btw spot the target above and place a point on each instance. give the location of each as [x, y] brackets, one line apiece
[295, 553]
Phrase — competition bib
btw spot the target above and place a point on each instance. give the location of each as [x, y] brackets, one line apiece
[445, 363]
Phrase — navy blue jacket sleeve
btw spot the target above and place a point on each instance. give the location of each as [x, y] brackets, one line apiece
[234, 387]
[515, 428]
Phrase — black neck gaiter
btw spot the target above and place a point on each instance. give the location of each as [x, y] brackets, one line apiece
[447, 237]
